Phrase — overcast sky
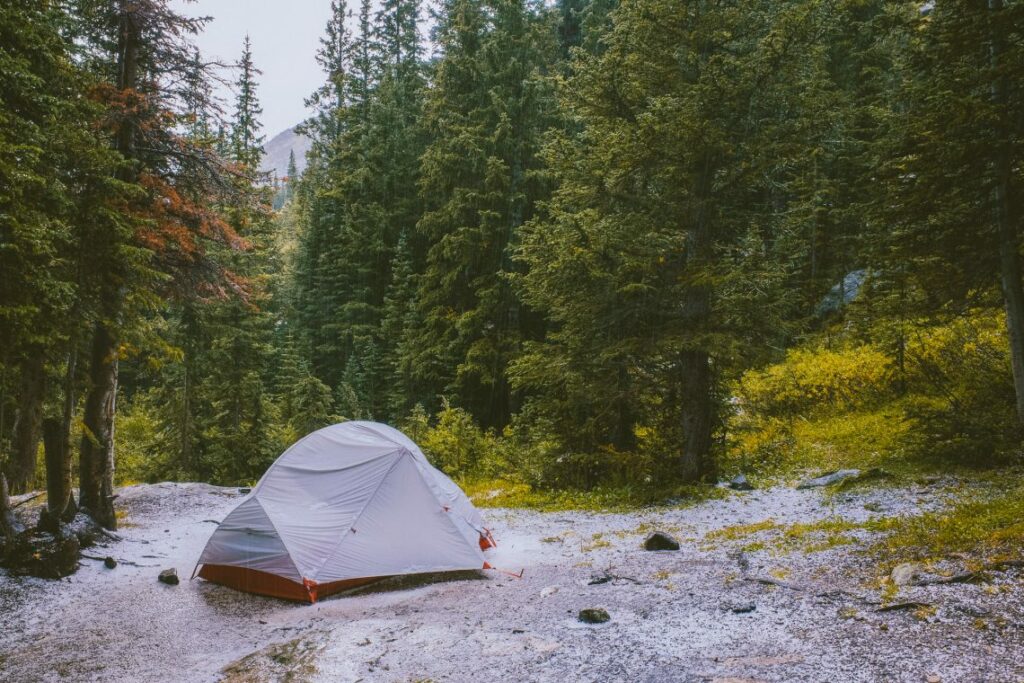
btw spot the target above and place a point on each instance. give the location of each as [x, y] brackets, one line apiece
[285, 35]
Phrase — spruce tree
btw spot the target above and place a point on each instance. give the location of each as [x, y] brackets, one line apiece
[654, 191]
[486, 114]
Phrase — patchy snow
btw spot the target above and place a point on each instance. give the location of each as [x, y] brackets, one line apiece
[671, 612]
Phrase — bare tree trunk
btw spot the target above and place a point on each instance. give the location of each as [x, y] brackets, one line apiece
[96, 475]
[697, 413]
[70, 507]
[9, 526]
[696, 400]
[25, 444]
[1009, 240]
[58, 472]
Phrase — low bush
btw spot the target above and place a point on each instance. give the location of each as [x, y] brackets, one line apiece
[811, 380]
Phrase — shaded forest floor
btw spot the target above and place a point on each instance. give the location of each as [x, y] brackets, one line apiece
[770, 585]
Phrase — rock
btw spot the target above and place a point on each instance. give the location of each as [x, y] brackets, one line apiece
[109, 562]
[660, 541]
[739, 607]
[169, 576]
[934, 678]
[548, 591]
[244, 489]
[594, 615]
[740, 483]
[829, 479]
[906, 573]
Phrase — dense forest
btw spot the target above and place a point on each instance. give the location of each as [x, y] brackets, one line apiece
[574, 245]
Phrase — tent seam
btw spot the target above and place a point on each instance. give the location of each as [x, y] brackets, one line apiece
[345, 534]
[287, 550]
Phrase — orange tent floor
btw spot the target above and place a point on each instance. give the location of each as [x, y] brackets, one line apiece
[262, 583]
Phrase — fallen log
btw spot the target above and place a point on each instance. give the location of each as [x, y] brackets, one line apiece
[26, 500]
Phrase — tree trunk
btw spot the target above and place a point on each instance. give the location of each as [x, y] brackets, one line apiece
[1009, 241]
[25, 444]
[696, 400]
[97, 454]
[9, 526]
[697, 412]
[96, 475]
[70, 508]
[58, 471]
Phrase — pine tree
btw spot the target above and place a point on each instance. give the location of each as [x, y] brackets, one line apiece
[486, 114]
[952, 227]
[246, 141]
[639, 260]
[365, 198]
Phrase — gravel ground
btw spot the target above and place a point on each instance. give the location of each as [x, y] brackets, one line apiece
[675, 616]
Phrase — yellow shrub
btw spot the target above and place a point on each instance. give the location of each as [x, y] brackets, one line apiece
[810, 379]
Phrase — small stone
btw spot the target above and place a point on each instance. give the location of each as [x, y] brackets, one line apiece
[740, 608]
[518, 631]
[829, 478]
[548, 591]
[169, 576]
[740, 483]
[934, 678]
[904, 574]
[109, 562]
[244, 489]
[594, 615]
[660, 541]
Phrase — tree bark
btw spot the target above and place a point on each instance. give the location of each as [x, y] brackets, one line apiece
[96, 470]
[70, 508]
[9, 526]
[1009, 240]
[25, 443]
[58, 470]
[696, 400]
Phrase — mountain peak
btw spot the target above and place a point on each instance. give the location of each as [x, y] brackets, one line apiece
[277, 151]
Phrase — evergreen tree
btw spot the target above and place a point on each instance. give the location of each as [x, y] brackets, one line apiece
[246, 141]
[486, 114]
[948, 188]
[638, 261]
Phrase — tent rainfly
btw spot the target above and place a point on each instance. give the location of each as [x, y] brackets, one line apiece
[343, 506]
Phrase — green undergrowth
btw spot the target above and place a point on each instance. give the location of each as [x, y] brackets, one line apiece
[842, 402]
[986, 525]
[503, 493]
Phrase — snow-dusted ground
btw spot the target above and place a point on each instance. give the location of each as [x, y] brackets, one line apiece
[672, 618]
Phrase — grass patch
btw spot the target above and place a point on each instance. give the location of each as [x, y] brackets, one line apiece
[987, 526]
[807, 537]
[740, 531]
[503, 493]
[779, 449]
